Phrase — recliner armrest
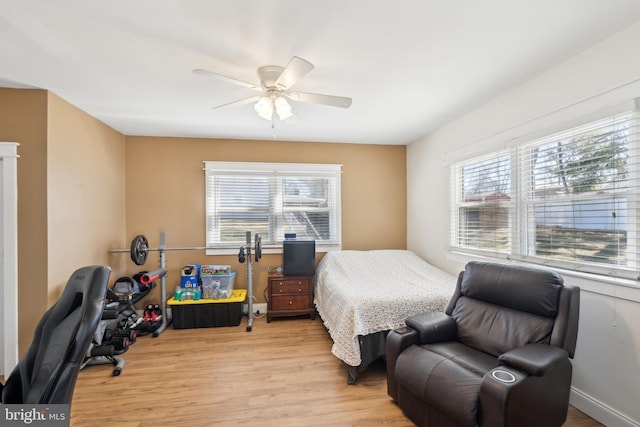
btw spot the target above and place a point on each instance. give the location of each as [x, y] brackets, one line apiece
[529, 388]
[397, 341]
[534, 359]
[433, 327]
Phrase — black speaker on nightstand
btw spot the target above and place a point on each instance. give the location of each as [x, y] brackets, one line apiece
[299, 257]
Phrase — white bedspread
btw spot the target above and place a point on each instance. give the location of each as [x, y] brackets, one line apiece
[363, 292]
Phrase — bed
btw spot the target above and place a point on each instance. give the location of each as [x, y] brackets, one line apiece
[362, 295]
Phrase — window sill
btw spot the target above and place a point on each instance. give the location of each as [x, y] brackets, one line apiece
[267, 251]
[615, 287]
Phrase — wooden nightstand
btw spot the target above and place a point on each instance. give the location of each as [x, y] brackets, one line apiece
[290, 296]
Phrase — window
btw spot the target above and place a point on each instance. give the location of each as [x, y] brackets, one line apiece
[482, 208]
[272, 199]
[578, 194]
[575, 193]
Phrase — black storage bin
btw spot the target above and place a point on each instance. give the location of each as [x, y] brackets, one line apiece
[208, 313]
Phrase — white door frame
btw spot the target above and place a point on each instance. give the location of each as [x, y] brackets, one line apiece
[8, 257]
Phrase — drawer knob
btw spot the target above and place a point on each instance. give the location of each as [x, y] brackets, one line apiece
[290, 302]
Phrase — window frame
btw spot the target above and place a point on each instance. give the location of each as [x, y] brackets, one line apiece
[458, 203]
[523, 231]
[576, 199]
[274, 173]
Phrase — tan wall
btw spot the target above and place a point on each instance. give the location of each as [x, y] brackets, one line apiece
[165, 192]
[23, 119]
[70, 196]
[86, 187]
[74, 171]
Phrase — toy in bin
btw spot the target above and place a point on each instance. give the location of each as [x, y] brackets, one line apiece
[215, 269]
[216, 286]
[190, 277]
[187, 294]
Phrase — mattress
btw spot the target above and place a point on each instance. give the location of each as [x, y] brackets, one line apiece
[364, 292]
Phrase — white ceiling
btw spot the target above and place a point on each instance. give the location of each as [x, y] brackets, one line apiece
[410, 66]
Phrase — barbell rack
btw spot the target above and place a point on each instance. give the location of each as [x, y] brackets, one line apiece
[139, 250]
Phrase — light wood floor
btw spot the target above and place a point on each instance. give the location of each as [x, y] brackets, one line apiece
[280, 374]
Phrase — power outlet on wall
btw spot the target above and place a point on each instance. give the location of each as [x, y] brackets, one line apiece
[261, 307]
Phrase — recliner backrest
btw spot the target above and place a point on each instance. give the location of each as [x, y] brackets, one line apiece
[500, 307]
[47, 372]
[520, 288]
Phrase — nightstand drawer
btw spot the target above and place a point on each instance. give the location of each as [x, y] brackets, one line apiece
[290, 302]
[290, 286]
[290, 296]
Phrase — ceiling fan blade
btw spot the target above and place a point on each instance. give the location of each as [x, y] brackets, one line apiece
[231, 80]
[296, 69]
[316, 98]
[238, 102]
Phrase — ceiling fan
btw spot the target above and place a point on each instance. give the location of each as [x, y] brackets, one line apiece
[275, 86]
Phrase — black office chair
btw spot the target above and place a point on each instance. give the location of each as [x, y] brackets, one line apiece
[47, 373]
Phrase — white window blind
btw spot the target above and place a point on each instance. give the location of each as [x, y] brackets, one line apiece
[579, 193]
[482, 204]
[570, 199]
[272, 199]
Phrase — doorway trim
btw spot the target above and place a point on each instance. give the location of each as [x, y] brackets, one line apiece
[9, 257]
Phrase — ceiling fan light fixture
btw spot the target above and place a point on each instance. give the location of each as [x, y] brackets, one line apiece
[275, 87]
[264, 108]
[282, 108]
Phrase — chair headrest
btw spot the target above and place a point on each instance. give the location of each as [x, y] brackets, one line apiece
[521, 288]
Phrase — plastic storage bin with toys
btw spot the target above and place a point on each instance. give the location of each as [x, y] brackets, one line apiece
[206, 298]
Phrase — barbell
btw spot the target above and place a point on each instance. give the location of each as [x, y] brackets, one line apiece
[139, 249]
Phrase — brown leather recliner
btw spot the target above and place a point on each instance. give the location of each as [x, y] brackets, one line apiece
[499, 356]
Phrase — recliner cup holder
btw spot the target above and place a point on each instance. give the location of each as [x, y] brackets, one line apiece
[503, 376]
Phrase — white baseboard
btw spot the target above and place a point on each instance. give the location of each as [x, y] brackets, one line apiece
[261, 307]
[600, 411]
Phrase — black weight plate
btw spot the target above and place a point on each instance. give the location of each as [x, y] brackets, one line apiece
[139, 249]
[258, 247]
